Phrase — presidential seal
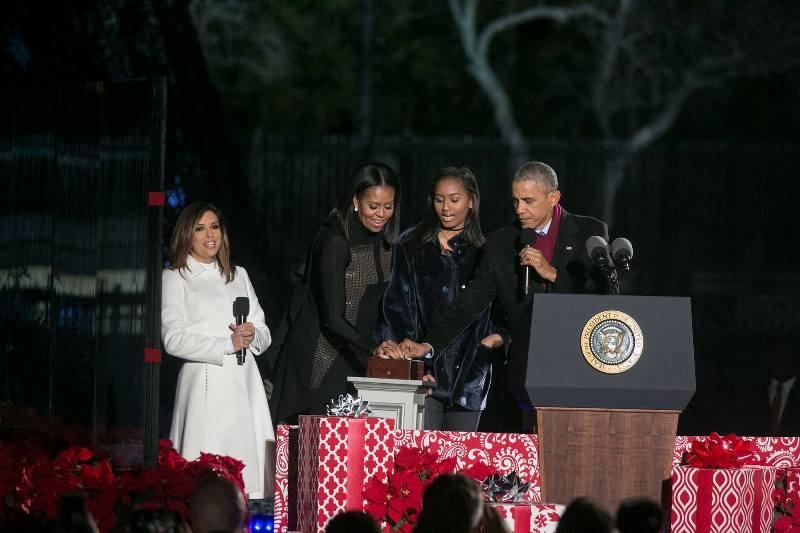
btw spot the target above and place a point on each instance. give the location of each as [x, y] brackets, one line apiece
[612, 342]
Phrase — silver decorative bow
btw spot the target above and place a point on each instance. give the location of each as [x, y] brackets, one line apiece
[505, 489]
[347, 405]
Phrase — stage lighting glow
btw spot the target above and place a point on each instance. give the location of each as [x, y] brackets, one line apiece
[261, 523]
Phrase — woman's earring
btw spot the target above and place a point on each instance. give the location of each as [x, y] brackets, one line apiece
[355, 209]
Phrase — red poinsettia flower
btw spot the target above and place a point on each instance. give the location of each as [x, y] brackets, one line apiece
[785, 524]
[377, 493]
[168, 456]
[445, 466]
[786, 498]
[427, 458]
[407, 458]
[397, 500]
[408, 488]
[179, 484]
[421, 461]
[98, 476]
[792, 505]
[396, 508]
[479, 471]
[73, 455]
[222, 466]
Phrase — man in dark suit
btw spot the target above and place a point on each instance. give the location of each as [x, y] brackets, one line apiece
[770, 405]
[557, 260]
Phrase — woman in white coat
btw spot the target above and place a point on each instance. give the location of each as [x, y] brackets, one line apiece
[220, 406]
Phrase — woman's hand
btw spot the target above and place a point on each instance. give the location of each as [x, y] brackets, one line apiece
[388, 349]
[242, 335]
[414, 350]
[428, 378]
[492, 341]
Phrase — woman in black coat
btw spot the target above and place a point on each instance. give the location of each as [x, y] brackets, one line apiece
[333, 315]
[432, 262]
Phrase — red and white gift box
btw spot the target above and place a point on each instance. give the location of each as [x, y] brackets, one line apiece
[733, 500]
[791, 480]
[772, 451]
[285, 503]
[336, 456]
[530, 517]
[506, 452]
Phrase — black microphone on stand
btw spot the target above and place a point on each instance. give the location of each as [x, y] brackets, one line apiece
[597, 250]
[527, 237]
[622, 252]
[241, 308]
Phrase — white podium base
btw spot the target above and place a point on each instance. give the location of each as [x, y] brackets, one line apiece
[402, 400]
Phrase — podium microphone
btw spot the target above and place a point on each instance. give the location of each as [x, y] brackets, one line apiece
[622, 252]
[527, 238]
[597, 249]
[241, 308]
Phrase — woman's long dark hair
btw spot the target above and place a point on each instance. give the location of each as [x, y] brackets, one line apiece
[370, 175]
[473, 235]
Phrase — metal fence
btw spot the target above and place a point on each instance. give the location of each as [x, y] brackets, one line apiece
[686, 207]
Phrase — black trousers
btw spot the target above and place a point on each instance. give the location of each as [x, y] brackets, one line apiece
[455, 418]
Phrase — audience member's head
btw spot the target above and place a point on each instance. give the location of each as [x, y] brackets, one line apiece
[352, 522]
[452, 503]
[155, 521]
[217, 505]
[74, 515]
[585, 516]
[492, 522]
[639, 515]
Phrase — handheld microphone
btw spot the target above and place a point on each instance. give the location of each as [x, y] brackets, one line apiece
[622, 252]
[241, 308]
[527, 237]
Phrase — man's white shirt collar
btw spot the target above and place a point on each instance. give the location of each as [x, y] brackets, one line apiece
[546, 229]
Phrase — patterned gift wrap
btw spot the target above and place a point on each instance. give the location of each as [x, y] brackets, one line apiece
[773, 451]
[530, 517]
[734, 500]
[336, 455]
[285, 508]
[791, 480]
[506, 452]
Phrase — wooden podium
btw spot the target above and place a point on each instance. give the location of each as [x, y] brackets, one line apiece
[606, 425]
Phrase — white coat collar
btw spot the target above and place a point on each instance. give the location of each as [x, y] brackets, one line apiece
[195, 267]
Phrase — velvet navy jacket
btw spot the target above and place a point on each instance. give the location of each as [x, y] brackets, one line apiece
[424, 281]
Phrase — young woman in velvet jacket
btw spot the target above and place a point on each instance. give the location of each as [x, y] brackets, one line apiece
[431, 263]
